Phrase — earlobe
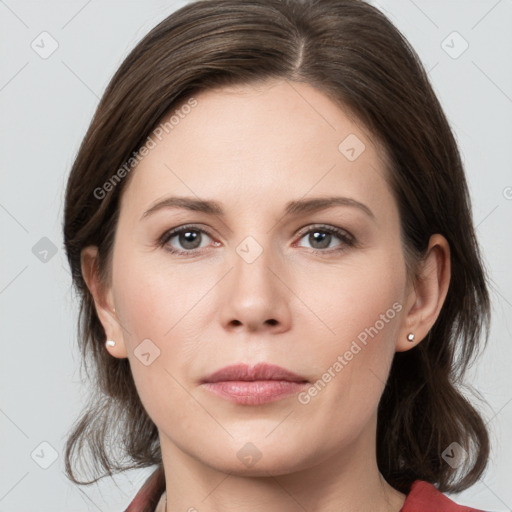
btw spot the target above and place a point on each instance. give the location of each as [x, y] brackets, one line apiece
[103, 301]
[427, 294]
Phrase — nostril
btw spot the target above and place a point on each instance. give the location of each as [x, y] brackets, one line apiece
[272, 321]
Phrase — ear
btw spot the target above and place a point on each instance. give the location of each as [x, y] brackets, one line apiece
[426, 293]
[103, 301]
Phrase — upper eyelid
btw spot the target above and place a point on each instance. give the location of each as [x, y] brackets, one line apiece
[325, 227]
[306, 228]
[179, 229]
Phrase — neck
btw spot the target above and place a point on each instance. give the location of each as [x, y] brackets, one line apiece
[347, 480]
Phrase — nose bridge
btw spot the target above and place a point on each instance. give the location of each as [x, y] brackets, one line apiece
[253, 260]
[254, 252]
[255, 296]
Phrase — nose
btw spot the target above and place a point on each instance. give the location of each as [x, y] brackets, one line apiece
[256, 297]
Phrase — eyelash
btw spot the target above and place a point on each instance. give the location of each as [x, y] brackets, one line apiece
[346, 238]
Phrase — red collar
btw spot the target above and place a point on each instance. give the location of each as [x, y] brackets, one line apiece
[423, 497]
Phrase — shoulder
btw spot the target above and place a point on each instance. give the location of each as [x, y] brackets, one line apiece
[424, 497]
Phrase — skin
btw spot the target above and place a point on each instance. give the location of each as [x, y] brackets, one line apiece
[253, 149]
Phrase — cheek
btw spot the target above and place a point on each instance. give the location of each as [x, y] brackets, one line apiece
[358, 295]
[163, 313]
[154, 295]
[154, 305]
[361, 311]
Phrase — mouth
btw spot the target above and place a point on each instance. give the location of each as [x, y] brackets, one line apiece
[254, 385]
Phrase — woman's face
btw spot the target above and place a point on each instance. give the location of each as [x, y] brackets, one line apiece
[266, 271]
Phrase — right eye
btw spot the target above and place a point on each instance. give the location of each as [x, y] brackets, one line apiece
[183, 240]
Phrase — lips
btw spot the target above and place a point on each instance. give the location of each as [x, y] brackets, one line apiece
[261, 371]
[253, 385]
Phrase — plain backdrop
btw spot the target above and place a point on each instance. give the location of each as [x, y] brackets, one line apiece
[48, 93]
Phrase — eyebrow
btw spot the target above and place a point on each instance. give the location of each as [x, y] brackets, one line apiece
[301, 206]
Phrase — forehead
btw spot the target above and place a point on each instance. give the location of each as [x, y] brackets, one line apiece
[264, 142]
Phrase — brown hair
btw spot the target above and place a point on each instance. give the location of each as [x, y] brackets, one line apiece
[351, 52]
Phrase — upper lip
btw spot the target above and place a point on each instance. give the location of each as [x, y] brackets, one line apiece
[260, 371]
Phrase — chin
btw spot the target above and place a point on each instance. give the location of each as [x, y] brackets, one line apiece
[260, 459]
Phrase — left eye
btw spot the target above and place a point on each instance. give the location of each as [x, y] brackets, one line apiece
[321, 237]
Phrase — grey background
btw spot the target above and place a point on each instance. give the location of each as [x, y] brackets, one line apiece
[47, 104]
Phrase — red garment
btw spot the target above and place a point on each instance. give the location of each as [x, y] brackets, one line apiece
[150, 493]
[423, 497]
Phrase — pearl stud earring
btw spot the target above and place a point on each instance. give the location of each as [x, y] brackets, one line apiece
[410, 337]
[110, 343]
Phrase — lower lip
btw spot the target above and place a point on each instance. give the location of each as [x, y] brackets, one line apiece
[254, 392]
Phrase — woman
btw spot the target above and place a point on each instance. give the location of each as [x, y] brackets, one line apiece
[269, 227]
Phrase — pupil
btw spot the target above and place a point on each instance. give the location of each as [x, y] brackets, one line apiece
[188, 239]
[323, 238]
